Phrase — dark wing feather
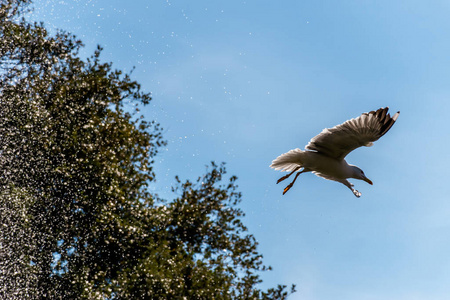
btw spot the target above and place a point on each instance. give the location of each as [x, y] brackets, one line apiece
[340, 140]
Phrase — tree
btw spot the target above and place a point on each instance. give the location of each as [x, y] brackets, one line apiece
[75, 165]
[19, 281]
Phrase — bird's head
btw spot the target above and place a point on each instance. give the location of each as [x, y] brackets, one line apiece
[359, 174]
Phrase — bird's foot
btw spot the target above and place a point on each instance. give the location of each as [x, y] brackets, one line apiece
[356, 193]
[288, 188]
[283, 178]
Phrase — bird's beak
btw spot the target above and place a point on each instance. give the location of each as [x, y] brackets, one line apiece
[368, 180]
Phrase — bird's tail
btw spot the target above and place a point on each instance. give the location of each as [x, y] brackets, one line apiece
[288, 161]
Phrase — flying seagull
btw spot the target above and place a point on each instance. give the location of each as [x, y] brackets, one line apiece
[325, 153]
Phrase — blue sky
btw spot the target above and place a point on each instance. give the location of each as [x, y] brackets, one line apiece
[245, 81]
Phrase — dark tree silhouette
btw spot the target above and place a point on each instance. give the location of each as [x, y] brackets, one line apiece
[75, 166]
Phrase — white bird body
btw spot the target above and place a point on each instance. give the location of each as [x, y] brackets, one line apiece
[325, 153]
[314, 161]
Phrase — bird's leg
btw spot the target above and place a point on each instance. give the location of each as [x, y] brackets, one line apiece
[350, 186]
[287, 176]
[292, 183]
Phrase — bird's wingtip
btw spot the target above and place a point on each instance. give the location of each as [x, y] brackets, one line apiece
[396, 116]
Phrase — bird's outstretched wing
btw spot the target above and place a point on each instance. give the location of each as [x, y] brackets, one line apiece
[340, 140]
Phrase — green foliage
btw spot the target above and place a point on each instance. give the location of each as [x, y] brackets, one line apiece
[75, 165]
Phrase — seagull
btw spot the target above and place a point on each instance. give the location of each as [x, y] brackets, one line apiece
[325, 153]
